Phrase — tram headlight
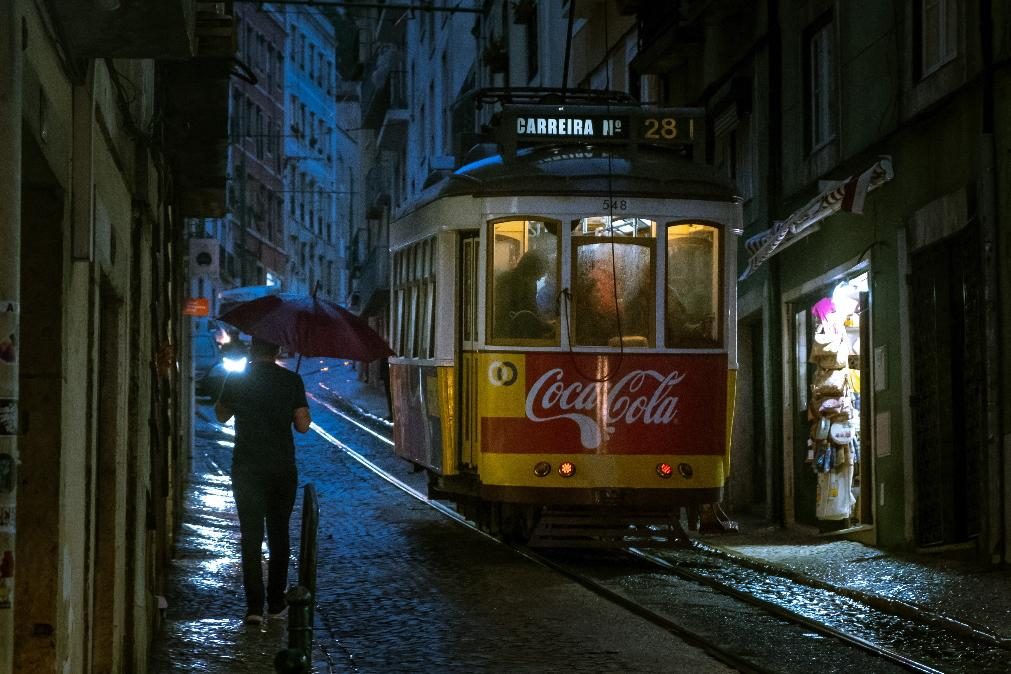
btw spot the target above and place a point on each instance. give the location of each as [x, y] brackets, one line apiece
[664, 470]
[566, 469]
[686, 471]
[542, 469]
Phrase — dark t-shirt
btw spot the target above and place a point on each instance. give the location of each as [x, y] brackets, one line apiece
[264, 399]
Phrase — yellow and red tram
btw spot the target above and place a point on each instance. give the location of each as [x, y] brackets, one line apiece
[563, 314]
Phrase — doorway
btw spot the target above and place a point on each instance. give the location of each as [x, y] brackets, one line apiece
[748, 487]
[468, 275]
[948, 378]
[40, 382]
[831, 464]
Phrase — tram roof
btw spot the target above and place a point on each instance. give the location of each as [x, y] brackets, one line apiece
[578, 170]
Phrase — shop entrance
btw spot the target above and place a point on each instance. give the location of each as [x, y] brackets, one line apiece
[948, 373]
[831, 468]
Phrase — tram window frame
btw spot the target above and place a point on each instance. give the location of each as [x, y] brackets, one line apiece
[493, 282]
[590, 230]
[414, 286]
[717, 291]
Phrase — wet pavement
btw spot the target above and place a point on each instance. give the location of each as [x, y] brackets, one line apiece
[401, 587]
[404, 589]
[952, 591]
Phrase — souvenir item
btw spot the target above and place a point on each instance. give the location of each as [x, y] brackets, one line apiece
[820, 428]
[841, 432]
[829, 383]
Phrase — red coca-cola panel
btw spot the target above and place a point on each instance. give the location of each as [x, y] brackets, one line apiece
[632, 404]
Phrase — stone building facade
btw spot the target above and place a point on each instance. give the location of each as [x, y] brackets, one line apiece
[112, 120]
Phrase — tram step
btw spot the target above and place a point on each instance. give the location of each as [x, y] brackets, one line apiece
[573, 529]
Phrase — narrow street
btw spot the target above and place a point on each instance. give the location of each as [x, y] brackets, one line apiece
[401, 587]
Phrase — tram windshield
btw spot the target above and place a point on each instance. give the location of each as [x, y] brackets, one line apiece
[524, 282]
[612, 274]
[692, 286]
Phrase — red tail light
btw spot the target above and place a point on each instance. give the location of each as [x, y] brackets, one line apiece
[664, 470]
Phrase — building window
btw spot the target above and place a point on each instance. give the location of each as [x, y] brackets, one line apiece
[236, 115]
[270, 65]
[819, 83]
[260, 133]
[936, 24]
[732, 149]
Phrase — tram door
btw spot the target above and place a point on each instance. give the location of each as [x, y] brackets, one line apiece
[468, 273]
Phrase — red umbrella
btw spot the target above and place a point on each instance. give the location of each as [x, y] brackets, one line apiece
[308, 326]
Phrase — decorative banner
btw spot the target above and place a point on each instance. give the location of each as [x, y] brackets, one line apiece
[8, 416]
[9, 312]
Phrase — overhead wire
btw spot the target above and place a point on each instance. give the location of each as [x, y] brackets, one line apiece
[565, 294]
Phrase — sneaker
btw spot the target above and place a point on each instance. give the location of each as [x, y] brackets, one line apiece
[253, 619]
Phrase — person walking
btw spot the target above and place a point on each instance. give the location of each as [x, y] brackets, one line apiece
[266, 401]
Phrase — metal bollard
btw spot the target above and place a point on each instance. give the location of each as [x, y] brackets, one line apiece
[297, 658]
[290, 661]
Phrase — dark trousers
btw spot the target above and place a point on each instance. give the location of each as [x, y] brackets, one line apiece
[259, 498]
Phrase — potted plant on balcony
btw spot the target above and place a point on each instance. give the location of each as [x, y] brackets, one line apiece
[495, 55]
[524, 11]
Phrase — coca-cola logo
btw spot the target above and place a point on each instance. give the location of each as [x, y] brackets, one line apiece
[596, 407]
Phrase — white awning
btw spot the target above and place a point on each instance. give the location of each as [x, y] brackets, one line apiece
[848, 196]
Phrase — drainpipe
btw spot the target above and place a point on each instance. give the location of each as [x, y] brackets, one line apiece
[998, 507]
[11, 45]
[773, 329]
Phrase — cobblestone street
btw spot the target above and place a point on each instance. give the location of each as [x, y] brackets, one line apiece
[401, 588]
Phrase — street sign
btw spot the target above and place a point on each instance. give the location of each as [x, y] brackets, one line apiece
[197, 306]
[534, 124]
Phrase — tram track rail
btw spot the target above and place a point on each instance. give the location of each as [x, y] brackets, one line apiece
[792, 616]
[707, 645]
[716, 650]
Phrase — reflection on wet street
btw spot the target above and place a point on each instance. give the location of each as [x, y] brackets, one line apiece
[203, 628]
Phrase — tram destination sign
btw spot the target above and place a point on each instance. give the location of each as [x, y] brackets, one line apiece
[597, 124]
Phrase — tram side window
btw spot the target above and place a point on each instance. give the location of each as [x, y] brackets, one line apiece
[523, 286]
[413, 300]
[613, 291]
[693, 286]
